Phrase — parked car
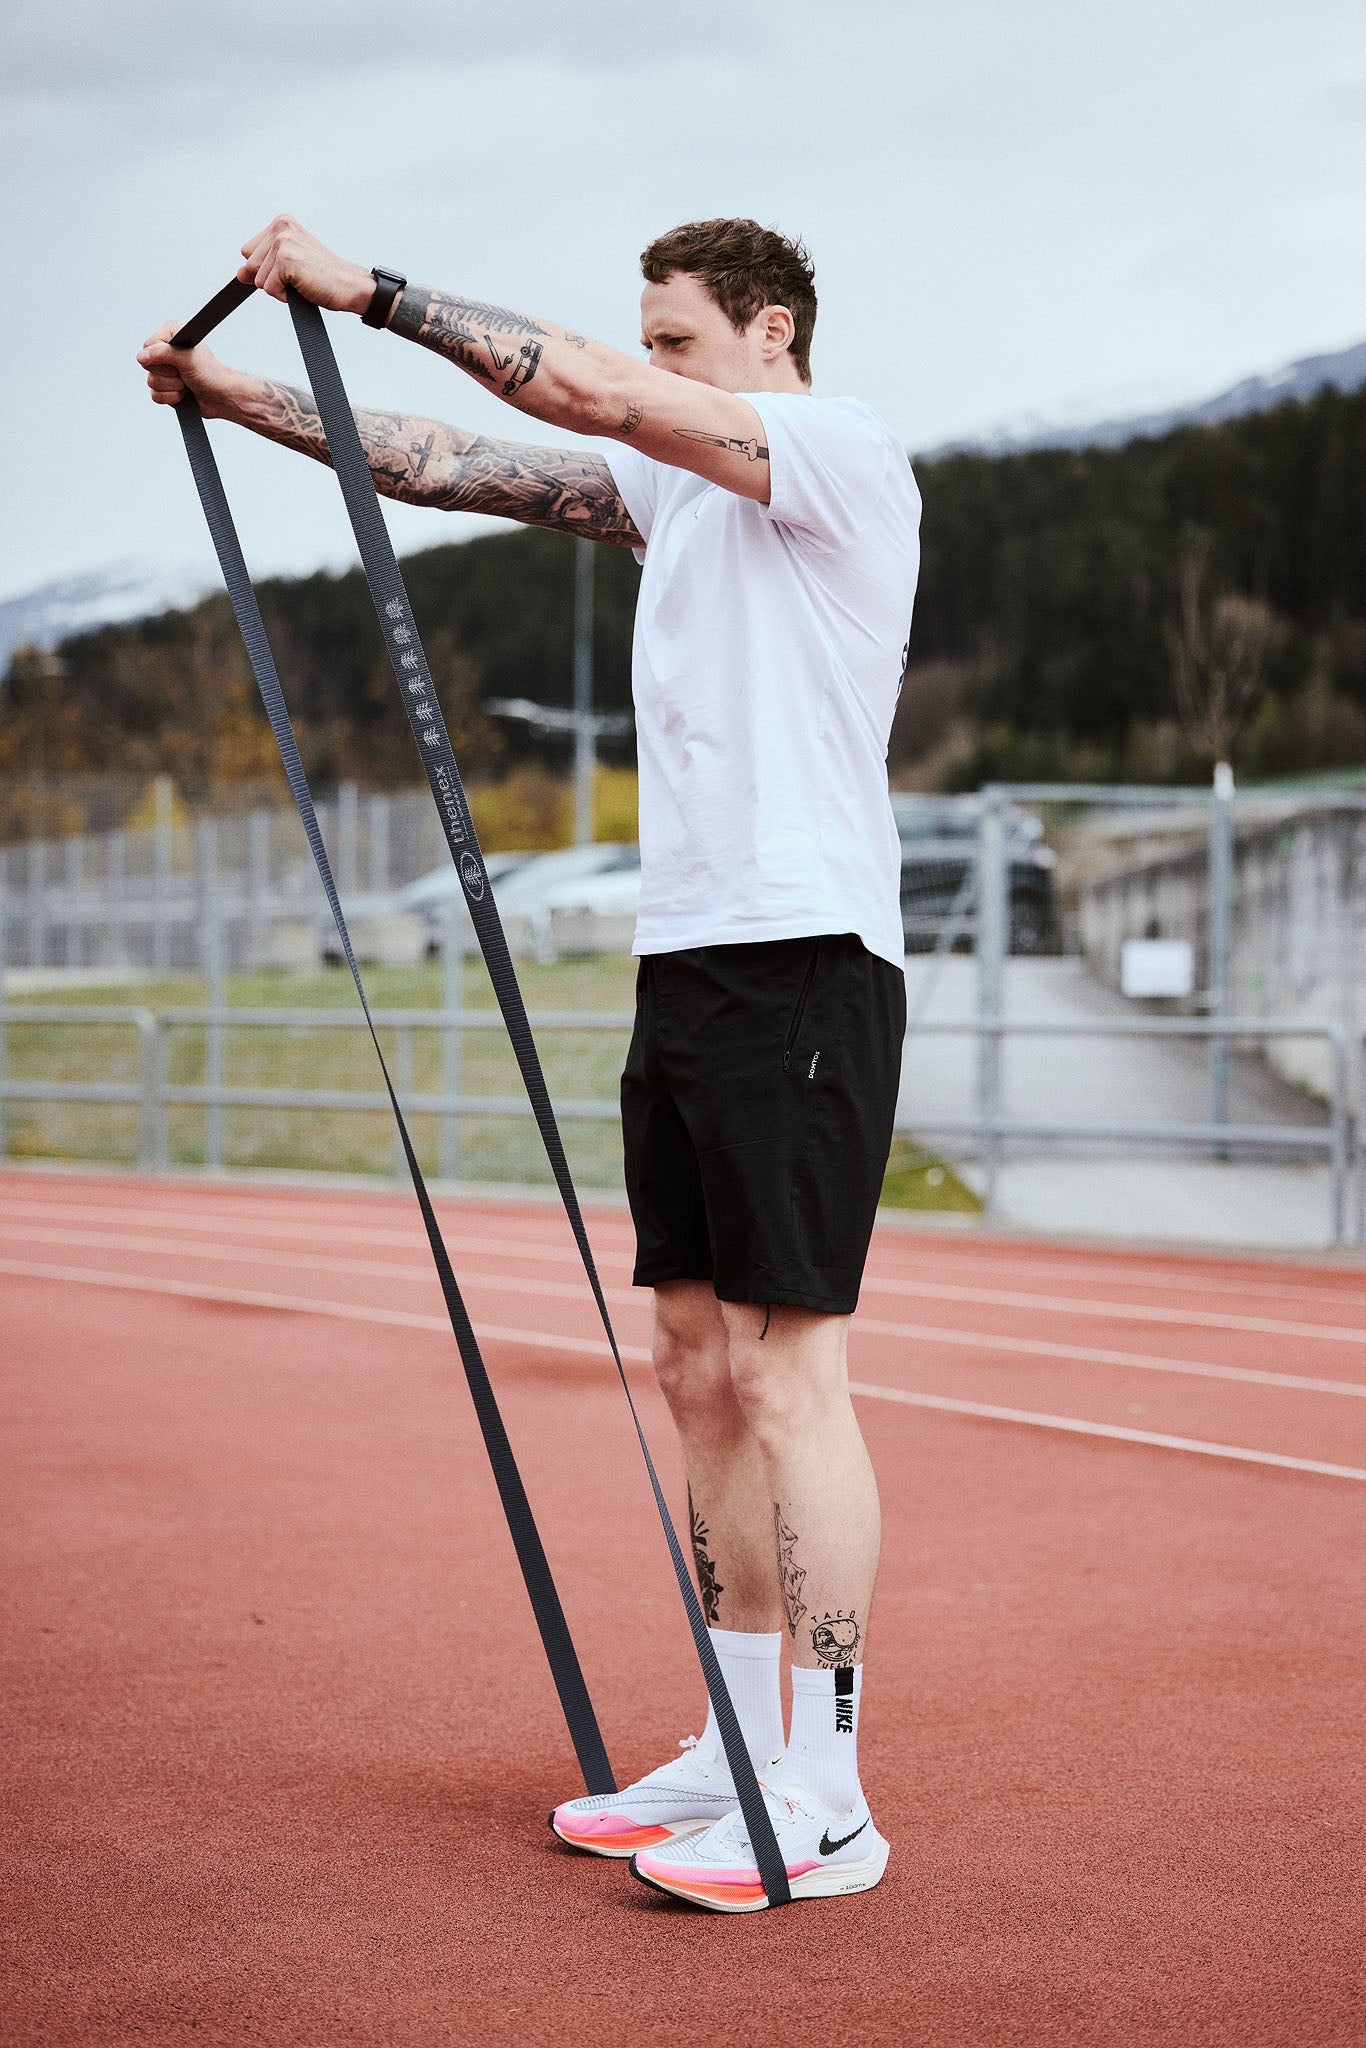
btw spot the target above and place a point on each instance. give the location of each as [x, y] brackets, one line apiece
[565, 876]
[430, 896]
[939, 837]
[613, 891]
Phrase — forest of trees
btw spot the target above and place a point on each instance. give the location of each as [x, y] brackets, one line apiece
[1093, 614]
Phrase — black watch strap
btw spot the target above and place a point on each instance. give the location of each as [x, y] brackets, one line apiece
[388, 285]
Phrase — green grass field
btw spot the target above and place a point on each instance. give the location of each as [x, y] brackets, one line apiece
[579, 1065]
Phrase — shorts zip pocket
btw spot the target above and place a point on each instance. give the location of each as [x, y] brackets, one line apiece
[799, 1010]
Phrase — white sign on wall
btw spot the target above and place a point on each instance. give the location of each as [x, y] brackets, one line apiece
[1157, 967]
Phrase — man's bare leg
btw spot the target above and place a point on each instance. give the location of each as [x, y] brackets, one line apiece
[732, 1527]
[784, 1505]
[789, 1373]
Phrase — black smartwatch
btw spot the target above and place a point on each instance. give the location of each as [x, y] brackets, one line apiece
[388, 285]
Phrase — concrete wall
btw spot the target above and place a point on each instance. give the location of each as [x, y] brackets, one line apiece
[1298, 922]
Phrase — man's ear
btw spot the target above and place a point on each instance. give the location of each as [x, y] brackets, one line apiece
[779, 329]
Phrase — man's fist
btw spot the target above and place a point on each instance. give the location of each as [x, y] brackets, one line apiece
[171, 372]
[285, 254]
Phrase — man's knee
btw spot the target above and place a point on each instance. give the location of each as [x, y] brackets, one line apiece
[786, 1368]
[689, 1350]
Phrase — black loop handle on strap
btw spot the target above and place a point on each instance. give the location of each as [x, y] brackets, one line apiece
[424, 716]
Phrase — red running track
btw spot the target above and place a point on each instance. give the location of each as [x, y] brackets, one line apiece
[281, 1741]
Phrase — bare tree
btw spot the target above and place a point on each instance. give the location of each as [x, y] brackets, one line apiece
[1221, 644]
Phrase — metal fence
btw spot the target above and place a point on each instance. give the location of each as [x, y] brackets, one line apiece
[1005, 895]
[154, 1094]
[155, 898]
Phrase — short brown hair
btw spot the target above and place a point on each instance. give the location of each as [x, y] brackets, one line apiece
[745, 268]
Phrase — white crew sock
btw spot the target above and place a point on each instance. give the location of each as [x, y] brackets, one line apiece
[752, 1669]
[822, 1753]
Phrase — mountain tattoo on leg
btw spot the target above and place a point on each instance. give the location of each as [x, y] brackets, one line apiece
[790, 1573]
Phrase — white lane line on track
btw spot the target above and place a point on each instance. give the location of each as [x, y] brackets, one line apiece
[1139, 1361]
[950, 1257]
[413, 1240]
[639, 1354]
[280, 1214]
[317, 1262]
[345, 1311]
[27, 1197]
[276, 1222]
[634, 1298]
[874, 1283]
[1121, 1311]
[1073, 1427]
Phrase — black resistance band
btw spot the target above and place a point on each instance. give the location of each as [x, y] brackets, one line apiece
[429, 729]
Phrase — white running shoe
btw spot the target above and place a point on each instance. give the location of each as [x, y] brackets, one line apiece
[681, 1798]
[826, 1853]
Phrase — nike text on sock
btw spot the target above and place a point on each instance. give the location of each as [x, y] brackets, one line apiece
[752, 1669]
[822, 1752]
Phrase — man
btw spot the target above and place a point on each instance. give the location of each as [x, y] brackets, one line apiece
[779, 539]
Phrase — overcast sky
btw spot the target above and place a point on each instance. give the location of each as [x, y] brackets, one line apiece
[1018, 210]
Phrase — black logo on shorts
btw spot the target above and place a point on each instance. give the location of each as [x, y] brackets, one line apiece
[472, 875]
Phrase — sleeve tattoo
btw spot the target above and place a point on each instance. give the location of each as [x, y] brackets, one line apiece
[422, 462]
[501, 347]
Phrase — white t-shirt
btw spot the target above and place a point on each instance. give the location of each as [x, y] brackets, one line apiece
[770, 642]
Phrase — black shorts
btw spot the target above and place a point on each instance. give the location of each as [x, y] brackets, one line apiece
[757, 1108]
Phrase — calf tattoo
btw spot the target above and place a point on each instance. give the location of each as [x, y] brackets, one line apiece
[709, 1587]
[835, 1638]
[790, 1573]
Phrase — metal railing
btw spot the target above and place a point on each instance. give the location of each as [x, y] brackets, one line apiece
[154, 1094]
[1333, 1140]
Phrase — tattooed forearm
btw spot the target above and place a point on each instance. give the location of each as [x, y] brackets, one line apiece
[557, 487]
[423, 462]
[286, 415]
[836, 1637]
[631, 420]
[753, 451]
[790, 1573]
[474, 336]
[709, 1586]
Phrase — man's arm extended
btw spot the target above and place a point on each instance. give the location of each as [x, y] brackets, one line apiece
[569, 381]
[424, 462]
[418, 461]
[546, 371]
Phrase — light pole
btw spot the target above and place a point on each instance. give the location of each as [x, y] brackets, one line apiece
[587, 725]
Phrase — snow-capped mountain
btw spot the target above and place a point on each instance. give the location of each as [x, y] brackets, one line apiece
[100, 597]
[1344, 370]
